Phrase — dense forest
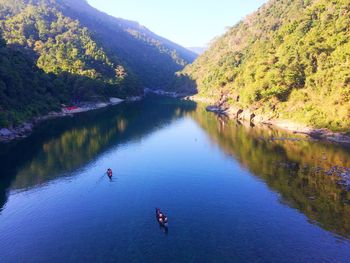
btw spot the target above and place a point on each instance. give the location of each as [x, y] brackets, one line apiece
[25, 90]
[59, 51]
[289, 60]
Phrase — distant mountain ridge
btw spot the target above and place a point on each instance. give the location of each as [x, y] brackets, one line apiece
[137, 38]
[198, 50]
[289, 60]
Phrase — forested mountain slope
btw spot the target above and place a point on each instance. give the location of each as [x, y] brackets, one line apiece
[25, 90]
[289, 60]
[153, 58]
[72, 52]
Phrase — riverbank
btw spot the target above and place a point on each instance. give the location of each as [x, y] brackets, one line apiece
[325, 165]
[171, 94]
[25, 129]
[253, 117]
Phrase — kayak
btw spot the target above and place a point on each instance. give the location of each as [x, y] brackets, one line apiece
[162, 220]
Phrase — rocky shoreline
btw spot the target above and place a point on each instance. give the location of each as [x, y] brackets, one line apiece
[170, 94]
[247, 115]
[342, 173]
[26, 128]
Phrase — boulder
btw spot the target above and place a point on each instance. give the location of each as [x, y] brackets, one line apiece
[239, 112]
[5, 132]
[115, 100]
[27, 126]
[98, 105]
[252, 116]
[215, 109]
[134, 98]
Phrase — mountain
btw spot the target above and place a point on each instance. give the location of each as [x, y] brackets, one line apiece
[153, 58]
[197, 50]
[65, 50]
[289, 60]
[25, 90]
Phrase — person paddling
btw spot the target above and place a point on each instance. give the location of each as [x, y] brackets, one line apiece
[109, 172]
[161, 217]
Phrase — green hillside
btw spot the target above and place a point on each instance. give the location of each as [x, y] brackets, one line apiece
[64, 50]
[152, 58]
[25, 90]
[289, 60]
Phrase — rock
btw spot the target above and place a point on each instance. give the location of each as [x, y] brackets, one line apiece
[252, 116]
[239, 112]
[5, 132]
[27, 126]
[20, 131]
[163, 93]
[115, 100]
[134, 98]
[98, 105]
[215, 109]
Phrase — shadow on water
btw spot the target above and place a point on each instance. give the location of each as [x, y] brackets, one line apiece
[61, 146]
[290, 165]
[295, 168]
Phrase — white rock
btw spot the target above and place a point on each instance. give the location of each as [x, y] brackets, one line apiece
[115, 100]
[5, 132]
[101, 105]
[27, 126]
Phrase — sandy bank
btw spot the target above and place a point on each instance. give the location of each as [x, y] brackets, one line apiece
[25, 129]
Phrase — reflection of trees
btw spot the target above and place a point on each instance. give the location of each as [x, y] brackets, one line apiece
[63, 145]
[293, 168]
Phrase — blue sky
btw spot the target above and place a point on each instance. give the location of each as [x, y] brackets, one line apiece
[187, 22]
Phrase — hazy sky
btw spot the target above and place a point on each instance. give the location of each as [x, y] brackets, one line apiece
[186, 22]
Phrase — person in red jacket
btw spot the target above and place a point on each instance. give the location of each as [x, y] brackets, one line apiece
[109, 172]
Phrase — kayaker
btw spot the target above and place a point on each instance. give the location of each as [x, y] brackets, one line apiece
[165, 219]
[161, 217]
[109, 172]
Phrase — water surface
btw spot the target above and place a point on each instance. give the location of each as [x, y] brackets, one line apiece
[233, 193]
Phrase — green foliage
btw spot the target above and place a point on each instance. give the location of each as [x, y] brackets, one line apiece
[61, 44]
[60, 51]
[152, 58]
[291, 54]
[25, 90]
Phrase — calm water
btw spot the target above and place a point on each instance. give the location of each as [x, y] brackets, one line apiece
[231, 193]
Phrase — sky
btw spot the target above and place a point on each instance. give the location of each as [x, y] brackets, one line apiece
[190, 23]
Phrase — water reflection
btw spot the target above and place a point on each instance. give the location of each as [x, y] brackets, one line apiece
[291, 165]
[61, 146]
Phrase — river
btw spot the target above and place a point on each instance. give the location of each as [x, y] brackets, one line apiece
[232, 192]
